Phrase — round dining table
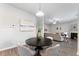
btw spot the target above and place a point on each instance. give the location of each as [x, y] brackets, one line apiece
[38, 47]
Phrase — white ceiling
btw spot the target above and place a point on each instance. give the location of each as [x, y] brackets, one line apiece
[63, 11]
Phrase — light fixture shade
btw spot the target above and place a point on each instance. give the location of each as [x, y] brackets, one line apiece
[54, 22]
[39, 14]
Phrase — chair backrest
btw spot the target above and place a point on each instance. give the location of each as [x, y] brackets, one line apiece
[52, 51]
[50, 37]
[25, 51]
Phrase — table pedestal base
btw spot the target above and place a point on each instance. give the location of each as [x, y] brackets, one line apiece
[37, 49]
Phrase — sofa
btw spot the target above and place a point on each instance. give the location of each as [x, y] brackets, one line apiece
[56, 36]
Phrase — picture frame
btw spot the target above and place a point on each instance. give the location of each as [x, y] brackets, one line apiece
[26, 26]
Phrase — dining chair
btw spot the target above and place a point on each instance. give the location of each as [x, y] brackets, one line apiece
[25, 51]
[52, 51]
[50, 37]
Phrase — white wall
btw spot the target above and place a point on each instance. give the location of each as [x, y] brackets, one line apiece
[10, 35]
[48, 27]
[53, 28]
[63, 27]
[78, 39]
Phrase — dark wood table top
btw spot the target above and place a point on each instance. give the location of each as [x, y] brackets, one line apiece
[44, 42]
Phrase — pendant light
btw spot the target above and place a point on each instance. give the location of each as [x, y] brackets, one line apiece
[39, 13]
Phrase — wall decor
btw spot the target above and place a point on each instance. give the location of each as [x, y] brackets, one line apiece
[26, 25]
[74, 27]
[57, 28]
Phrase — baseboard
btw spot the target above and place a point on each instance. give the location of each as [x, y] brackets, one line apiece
[8, 48]
[14, 46]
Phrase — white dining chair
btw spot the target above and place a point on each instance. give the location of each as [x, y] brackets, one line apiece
[52, 51]
[50, 37]
[25, 51]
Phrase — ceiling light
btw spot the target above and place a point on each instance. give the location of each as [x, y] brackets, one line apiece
[50, 20]
[54, 22]
[57, 19]
[39, 13]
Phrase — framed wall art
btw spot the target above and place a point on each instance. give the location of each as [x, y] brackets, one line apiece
[26, 25]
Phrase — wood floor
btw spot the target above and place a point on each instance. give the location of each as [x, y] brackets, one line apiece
[66, 49]
[10, 52]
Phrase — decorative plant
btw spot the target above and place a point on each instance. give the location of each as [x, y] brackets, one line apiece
[39, 36]
[40, 29]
